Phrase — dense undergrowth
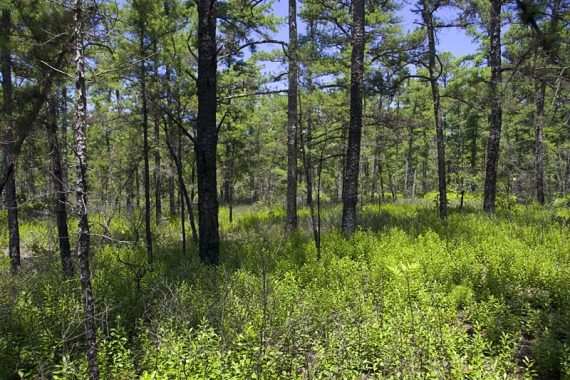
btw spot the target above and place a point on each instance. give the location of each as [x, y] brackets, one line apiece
[406, 297]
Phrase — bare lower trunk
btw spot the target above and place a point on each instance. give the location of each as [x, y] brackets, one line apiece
[177, 159]
[306, 149]
[409, 158]
[350, 184]
[229, 179]
[493, 142]
[60, 190]
[207, 133]
[13, 224]
[146, 169]
[9, 147]
[540, 89]
[291, 220]
[170, 136]
[157, 171]
[427, 14]
[180, 189]
[79, 139]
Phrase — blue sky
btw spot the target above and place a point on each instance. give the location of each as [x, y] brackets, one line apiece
[453, 40]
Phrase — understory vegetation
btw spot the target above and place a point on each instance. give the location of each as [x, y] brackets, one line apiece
[407, 296]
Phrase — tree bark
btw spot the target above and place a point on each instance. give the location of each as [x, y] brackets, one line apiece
[9, 148]
[540, 90]
[306, 140]
[60, 189]
[427, 14]
[177, 158]
[156, 114]
[291, 219]
[170, 137]
[79, 139]
[493, 141]
[410, 167]
[207, 133]
[350, 184]
[146, 170]
[229, 179]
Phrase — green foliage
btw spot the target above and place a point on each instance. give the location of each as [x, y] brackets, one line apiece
[407, 296]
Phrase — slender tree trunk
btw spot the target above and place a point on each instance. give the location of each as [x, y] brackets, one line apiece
[306, 149]
[350, 184]
[181, 188]
[427, 14]
[493, 142]
[207, 134]
[146, 170]
[410, 170]
[229, 179]
[567, 179]
[79, 139]
[60, 190]
[9, 149]
[64, 143]
[291, 220]
[170, 139]
[156, 114]
[177, 159]
[540, 89]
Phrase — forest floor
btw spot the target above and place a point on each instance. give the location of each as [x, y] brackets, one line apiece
[407, 296]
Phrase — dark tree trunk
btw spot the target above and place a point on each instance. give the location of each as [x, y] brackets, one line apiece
[170, 136]
[473, 127]
[156, 114]
[9, 149]
[291, 220]
[376, 165]
[146, 170]
[181, 189]
[410, 170]
[60, 190]
[307, 152]
[540, 89]
[64, 129]
[177, 159]
[79, 140]
[567, 179]
[427, 14]
[350, 184]
[207, 133]
[493, 142]
[229, 179]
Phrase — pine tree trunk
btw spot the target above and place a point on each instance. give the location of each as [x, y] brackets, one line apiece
[410, 170]
[185, 197]
[291, 220]
[229, 179]
[79, 140]
[207, 133]
[350, 183]
[60, 190]
[493, 141]
[156, 114]
[146, 170]
[427, 15]
[540, 89]
[170, 139]
[9, 147]
[306, 149]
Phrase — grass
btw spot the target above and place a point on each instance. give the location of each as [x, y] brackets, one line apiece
[406, 297]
